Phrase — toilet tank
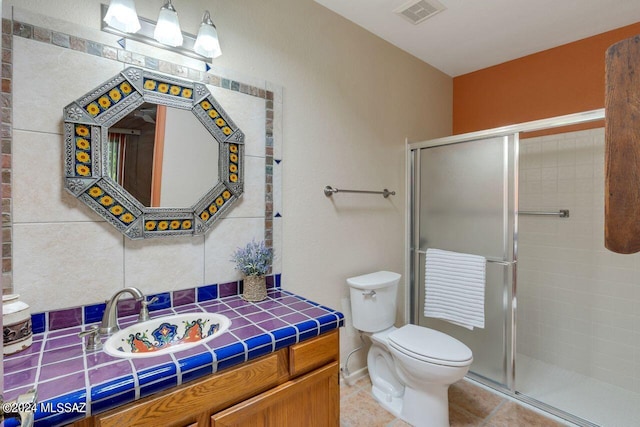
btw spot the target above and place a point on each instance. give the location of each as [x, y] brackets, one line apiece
[373, 300]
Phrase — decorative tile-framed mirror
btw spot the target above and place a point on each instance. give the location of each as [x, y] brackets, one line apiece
[97, 154]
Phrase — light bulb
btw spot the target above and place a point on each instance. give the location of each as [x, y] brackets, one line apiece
[207, 43]
[168, 27]
[122, 16]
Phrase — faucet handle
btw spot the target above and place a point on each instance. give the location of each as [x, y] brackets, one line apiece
[144, 309]
[146, 303]
[93, 342]
[22, 408]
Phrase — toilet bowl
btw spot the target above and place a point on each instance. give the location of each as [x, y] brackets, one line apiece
[411, 367]
[385, 384]
[427, 362]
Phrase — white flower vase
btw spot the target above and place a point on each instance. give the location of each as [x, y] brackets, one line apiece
[254, 288]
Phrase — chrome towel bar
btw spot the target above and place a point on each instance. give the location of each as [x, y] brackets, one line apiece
[562, 213]
[493, 261]
[328, 191]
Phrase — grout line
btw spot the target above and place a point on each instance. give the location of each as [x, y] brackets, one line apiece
[493, 413]
[344, 397]
[464, 411]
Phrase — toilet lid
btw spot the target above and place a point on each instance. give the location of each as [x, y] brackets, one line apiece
[430, 345]
[379, 279]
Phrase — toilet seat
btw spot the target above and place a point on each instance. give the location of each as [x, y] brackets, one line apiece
[430, 346]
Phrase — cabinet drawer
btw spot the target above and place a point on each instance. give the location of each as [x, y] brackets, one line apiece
[189, 403]
[308, 355]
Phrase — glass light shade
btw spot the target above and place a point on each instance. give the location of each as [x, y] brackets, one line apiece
[122, 16]
[207, 43]
[168, 27]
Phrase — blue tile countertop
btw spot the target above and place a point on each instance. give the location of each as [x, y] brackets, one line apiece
[74, 383]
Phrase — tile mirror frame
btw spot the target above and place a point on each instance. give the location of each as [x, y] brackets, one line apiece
[86, 127]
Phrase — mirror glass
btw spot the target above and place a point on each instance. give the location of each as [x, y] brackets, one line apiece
[163, 156]
[154, 155]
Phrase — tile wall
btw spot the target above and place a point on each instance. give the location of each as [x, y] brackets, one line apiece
[64, 255]
[577, 301]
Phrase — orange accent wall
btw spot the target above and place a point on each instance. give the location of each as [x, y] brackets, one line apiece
[563, 80]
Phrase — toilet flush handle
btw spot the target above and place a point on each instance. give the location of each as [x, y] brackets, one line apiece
[370, 293]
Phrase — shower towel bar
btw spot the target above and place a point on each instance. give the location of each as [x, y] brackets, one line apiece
[328, 191]
[491, 260]
[562, 213]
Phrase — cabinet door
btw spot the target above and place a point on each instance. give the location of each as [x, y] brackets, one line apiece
[194, 403]
[312, 400]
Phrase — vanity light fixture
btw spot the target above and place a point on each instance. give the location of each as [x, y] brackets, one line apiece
[207, 43]
[167, 29]
[165, 33]
[122, 16]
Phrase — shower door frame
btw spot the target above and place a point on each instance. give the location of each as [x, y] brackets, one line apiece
[412, 226]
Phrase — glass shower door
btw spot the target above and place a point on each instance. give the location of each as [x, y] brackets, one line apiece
[464, 200]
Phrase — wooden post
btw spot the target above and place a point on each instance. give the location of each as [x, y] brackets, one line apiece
[622, 147]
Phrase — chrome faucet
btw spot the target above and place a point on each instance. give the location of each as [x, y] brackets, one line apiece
[109, 323]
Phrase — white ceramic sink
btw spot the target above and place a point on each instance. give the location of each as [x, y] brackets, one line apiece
[166, 334]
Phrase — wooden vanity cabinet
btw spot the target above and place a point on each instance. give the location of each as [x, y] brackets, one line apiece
[295, 386]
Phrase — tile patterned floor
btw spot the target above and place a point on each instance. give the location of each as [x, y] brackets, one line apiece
[469, 406]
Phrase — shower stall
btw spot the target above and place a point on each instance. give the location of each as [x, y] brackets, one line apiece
[562, 313]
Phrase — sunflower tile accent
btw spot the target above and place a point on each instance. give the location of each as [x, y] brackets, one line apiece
[151, 225]
[215, 207]
[82, 150]
[109, 98]
[216, 117]
[111, 205]
[234, 162]
[156, 85]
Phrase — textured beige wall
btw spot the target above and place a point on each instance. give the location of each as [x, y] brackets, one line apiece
[349, 101]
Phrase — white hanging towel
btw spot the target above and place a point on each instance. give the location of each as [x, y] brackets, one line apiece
[454, 287]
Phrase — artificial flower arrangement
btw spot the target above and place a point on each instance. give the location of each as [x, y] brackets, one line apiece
[254, 261]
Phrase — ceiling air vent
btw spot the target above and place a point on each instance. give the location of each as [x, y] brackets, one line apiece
[417, 11]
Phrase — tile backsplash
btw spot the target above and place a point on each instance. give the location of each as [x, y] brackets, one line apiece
[92, 313]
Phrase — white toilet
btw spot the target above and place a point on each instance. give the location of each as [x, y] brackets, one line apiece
[411, 367]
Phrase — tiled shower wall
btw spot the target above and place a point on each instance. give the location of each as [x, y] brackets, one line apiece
[63, 254]
[578, 303]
